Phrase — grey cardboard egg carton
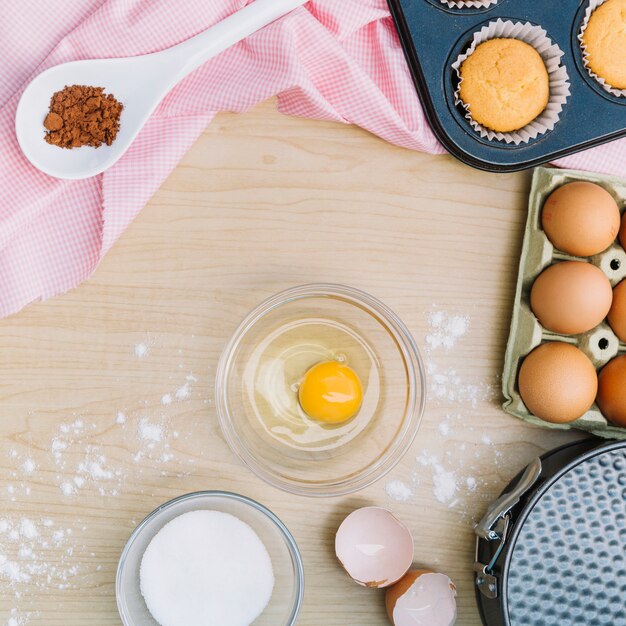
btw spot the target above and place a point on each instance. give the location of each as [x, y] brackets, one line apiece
[600, 344]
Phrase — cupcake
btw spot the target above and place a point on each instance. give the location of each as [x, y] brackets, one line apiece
[511, 82]
[504, 84]
[604, 43]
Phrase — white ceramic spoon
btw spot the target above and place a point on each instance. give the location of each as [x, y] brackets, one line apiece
[140, 83]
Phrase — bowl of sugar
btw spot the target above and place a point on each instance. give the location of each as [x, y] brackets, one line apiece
[210, 558]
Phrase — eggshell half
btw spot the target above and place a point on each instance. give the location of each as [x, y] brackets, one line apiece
[374, 547]
[612, 391]
[571, 297]
[581, 218]
[422, 598]
[557, 382]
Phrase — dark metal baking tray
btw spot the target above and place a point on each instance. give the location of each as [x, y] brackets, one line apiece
[433, 35]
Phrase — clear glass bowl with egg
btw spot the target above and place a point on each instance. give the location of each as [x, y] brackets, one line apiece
[263, 367]
[288, 592]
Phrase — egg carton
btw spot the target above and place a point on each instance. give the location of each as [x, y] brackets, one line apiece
[600, 344]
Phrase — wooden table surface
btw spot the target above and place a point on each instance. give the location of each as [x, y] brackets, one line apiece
[94, 433]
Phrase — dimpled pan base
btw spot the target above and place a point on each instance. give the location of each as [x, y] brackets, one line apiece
[568, 565]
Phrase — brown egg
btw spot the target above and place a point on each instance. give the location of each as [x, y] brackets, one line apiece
[557, 382]
[612, 391]
[617, 314]
[422, 598]
[571, 297]
[622, 232]
[580, 218]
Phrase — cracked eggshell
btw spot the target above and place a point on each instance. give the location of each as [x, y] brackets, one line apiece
[374, 547]
[422, 598]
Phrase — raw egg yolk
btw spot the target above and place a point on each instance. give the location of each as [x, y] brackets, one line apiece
[330, 392]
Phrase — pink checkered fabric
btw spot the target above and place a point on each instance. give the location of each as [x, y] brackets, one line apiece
[331, 59]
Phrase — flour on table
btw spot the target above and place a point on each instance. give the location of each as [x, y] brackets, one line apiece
[450, 466]
[39, 554]
[150, 432]
[28, 467]
[399, 491]
[445, 330]
[445, 384]
[141, 350]
[183, 392]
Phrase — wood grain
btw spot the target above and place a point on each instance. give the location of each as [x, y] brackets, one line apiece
[260, 203]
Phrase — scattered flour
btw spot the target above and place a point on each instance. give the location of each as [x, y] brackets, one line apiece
[26, 560]
[183, 392]
[28, 529]
[445, 482]
[29, 466]
[450, 468]
[24, 545]
[445, 330]
[67, 489]
[399, 491]
[150, 432]
[444, 429]
[141, 350]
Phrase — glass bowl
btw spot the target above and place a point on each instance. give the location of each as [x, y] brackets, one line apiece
[257, 379]
[288, 591]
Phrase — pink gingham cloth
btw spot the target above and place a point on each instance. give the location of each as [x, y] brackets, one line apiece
[331, 59]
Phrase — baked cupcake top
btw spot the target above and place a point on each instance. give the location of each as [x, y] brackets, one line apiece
[505, 83]
[605, 41]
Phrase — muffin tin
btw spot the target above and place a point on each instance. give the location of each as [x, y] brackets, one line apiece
[433, 35]
[600, 344]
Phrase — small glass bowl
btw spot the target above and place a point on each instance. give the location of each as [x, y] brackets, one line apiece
[375, 445]
[288, 591]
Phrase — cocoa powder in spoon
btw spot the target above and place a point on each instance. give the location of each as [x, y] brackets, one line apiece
[81, 115]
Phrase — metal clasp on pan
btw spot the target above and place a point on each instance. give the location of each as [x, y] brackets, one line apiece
[494, 526]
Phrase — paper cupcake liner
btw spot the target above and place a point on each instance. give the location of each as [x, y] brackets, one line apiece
[468, 4]
[593, 5]
[551, 54]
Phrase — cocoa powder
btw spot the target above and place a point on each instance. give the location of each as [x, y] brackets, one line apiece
[81, 115]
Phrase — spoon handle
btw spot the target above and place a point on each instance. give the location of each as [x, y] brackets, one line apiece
[191, 54]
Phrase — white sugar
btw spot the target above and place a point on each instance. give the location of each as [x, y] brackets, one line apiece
[206, 567]
[166, 399]
[120, 418]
